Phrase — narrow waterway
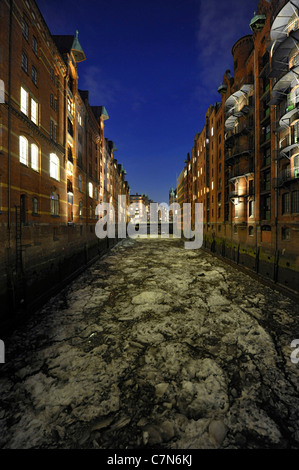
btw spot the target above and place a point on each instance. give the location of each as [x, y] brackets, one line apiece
[154, 346]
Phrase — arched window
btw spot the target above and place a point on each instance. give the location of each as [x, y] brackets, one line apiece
[54, 198]
[34, 157]
[23, 150]
[54, 166]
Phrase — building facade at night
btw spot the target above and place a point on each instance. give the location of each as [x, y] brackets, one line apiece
[56, 165]
[244, 166]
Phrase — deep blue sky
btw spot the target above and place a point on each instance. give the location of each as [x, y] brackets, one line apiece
[156, 66]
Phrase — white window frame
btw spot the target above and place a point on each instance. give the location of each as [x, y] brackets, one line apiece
[54, 166]
[23, 150]
[90, 189]
[34, 111]
[34, 157]
[24, 101]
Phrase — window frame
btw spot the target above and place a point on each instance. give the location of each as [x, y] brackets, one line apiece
[34, 75]
[34, 119]
[23, 159]
[25, 29]
[54, 164]
[24, 61]
[36, 166]
[54, 204]
[24, 94]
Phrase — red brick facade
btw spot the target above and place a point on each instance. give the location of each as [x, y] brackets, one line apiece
[54, 157]
[245, 161]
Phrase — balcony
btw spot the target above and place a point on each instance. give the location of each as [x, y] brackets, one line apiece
[287, 144]
[237, 105]
[280, 20]
[289, 111]
[242, 129]
[239, 171]
[287, 176]
[283, 84]
[237, 151]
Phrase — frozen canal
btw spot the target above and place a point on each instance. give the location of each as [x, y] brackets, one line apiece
[154, 346]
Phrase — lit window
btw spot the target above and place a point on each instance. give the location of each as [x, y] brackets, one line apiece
[54, 166]
[23, 150]
[34, 111]
[90, 189]
[24, 101]
[34, 157]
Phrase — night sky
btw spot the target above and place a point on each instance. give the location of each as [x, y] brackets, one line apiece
[156, 66]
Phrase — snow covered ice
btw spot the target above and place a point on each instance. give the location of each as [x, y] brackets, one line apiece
[154, 346]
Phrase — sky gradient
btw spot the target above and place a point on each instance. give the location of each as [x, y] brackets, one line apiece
[156, 66]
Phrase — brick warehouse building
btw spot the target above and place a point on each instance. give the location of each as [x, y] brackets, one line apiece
[245, 161]
[56, 165]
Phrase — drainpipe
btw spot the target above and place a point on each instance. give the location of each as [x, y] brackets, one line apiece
[9, 122]
[255, 159]
[276, 207]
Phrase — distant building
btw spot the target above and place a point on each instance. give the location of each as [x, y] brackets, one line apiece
[141, 209]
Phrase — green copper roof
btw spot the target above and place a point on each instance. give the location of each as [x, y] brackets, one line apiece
[77, 49]
[104, 113]
[258, 22]
[222, 88]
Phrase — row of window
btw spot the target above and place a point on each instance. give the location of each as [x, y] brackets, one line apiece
[24, 64]
[27, 102]
[25, 32]
[29, 156]
[54, 207]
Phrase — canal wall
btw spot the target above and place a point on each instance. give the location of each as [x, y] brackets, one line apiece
[275, 266]
[44, 275]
